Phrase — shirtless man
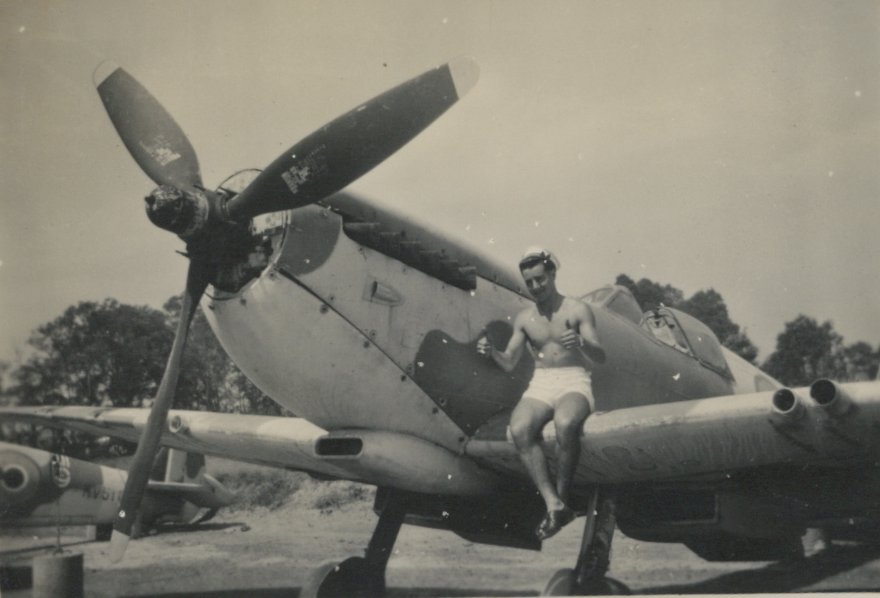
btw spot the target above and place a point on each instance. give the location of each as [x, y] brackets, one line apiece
[562, 337]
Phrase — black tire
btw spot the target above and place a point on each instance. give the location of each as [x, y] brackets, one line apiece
[561, 583]
[564, 583]
[350, 578]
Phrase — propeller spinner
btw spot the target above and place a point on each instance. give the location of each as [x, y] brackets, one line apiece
[319, 165]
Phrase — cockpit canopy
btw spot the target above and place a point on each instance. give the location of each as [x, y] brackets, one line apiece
[618, 299]
[666, 325]
[687, 334]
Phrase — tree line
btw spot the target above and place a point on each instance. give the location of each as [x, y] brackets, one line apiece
[113, 354]
[805, 349]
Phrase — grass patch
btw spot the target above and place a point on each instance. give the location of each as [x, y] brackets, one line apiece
[259, 486]
[329, 496]
[254, 489]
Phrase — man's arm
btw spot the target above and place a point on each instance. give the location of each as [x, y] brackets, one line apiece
[508, 358]
[582, 336]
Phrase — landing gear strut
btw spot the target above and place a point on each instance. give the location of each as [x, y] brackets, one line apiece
[588, 576]
[362, 576]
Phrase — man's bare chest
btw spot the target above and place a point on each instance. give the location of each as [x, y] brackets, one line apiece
[541, 330]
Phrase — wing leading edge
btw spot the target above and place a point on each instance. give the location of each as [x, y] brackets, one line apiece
[825, 424]
[672, 441]
[369, 456]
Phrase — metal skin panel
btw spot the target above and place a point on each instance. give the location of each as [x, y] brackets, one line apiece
[363, 210]
[680, 441]
[429, 329]
[643, 371]
[65, 491]
[60, 490]
[401, 461]
[349, 278]
[91, 506]
[312, 361]
[382, 458]
[415, 328]
[747, 378]
[277, 441]
[425, 328]
[689, 439]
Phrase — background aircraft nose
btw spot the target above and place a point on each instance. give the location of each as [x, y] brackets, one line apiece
[19, 480]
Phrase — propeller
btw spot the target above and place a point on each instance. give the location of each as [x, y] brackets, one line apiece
[153, 139]
[346, 148]
[319, 165]
[197, 277]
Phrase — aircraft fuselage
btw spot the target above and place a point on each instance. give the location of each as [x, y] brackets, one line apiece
[364, 319]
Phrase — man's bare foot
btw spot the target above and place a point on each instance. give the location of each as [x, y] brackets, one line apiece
[553, 522]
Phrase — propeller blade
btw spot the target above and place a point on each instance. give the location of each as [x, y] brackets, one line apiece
[139, 471]
[343, 150]
[153, 139]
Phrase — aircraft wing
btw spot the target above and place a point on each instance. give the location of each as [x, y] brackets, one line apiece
[710, 437]
[671, 441]
[370, 456]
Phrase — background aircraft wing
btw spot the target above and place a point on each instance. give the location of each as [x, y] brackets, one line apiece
[826, 424]
[277, 441]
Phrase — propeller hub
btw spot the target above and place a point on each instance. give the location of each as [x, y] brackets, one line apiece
[181, 212]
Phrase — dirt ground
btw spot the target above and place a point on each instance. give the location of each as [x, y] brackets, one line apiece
[270, 553]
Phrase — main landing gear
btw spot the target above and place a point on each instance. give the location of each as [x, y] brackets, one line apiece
[365, 576]
[588, 576]
[362, 577]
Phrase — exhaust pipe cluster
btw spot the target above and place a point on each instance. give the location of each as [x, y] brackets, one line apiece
[789, 406]
[831, 397]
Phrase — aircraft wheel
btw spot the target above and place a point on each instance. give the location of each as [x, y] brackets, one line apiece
[351, 577]
[564, 583]
[604, 586]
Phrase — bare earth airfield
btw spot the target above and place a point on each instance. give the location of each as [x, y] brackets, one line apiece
[264, 552]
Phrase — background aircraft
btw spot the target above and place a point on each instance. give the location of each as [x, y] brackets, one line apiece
[364, 323]
[38, 489]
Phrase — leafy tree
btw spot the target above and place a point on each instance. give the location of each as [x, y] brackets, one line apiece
[5, 366]
[215, 382]
[95, 353]
[113, 354]
[709, 308]
[242, 396]
[742, 345]
[204, 364]
[650, 294]
[860, 362]
[806, 350]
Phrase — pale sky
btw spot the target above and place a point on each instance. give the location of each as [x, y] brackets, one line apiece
[726, 145]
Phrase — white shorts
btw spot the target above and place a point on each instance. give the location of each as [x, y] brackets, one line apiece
[548, 385]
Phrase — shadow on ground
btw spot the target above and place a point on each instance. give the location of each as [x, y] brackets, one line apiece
[780, 577]
[169, 528]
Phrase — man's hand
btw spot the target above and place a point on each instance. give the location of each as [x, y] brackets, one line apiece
[590, 349]
[571, 339]
[484, 346]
